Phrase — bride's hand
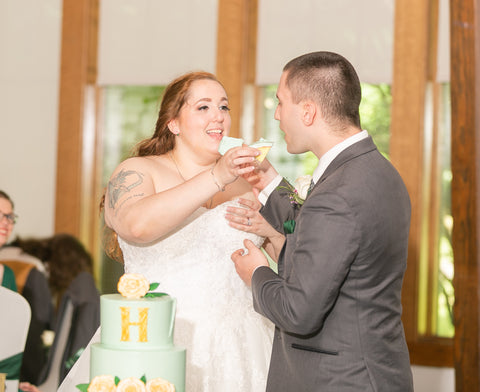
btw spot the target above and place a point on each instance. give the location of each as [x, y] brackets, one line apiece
[235, 162]
[261, 176]
[248, 218]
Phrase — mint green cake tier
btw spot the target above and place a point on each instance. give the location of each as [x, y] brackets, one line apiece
[168, 364]
[159, 324]
[137, 340]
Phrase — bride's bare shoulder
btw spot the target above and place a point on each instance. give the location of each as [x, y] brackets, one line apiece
[145, 165]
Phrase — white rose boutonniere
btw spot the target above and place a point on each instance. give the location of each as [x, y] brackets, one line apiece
[302, 186]
[298, 193]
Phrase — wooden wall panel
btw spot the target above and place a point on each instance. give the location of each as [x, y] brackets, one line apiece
[465, 90]
[76, 143]
[406, 143]
[415, 44]
[236, 49]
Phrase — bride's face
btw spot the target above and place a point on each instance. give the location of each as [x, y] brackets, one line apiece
[204, 119]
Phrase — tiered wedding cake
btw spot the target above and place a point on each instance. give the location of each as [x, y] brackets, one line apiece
[137, 340]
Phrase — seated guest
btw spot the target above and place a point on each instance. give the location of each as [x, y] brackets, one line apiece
[7, 220]
[27, 387]
[7, 278]
[32, 284]
[63, 256]
[70, 276]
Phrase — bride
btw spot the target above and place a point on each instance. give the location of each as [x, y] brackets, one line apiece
[167, 205]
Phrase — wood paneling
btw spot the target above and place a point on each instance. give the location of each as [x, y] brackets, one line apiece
[406, 143]
[236, 38]
[415, 44]
[76, 139]
[465, 90]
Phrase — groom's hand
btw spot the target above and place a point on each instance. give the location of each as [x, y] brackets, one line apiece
[261, 176]
[246, 264]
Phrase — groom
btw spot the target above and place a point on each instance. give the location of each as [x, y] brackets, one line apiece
[336, 300]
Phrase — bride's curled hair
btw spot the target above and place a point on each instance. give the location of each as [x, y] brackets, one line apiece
[174, 97]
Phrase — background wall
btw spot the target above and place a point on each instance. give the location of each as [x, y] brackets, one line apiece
[29, 75]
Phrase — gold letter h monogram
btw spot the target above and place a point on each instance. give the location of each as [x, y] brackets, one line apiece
[126, 324]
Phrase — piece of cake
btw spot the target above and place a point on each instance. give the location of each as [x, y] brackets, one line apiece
[137, 338]
[261, 144]
[264, 146]
[228, 142]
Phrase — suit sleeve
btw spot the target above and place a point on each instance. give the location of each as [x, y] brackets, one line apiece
[279, 208]
[315, 261]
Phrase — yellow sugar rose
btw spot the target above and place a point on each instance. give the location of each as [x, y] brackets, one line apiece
[102, 384]
[133, 285]
[160, 385]
[131, 384]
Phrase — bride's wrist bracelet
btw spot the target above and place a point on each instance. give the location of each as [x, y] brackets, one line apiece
[220, 188]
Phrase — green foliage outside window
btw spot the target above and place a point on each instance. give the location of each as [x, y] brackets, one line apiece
[130, 116]
[374, 115]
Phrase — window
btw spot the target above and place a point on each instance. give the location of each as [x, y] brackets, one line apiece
[374, 114]
[436, 297]
[130, 115]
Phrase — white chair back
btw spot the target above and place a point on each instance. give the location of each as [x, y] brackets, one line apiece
[52, 381]
[14, 323]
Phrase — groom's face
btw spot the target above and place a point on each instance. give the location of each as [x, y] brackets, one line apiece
[289, 114]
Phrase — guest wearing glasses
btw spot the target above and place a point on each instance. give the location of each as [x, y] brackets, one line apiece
[29, 279]
[7, 221]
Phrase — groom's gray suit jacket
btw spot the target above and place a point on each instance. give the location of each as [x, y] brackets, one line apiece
[336, 301]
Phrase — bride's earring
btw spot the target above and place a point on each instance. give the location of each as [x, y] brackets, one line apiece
[173, 128]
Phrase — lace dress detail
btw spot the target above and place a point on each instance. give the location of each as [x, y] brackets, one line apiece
[228, 343]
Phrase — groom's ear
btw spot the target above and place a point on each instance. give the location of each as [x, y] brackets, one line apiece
[309, 112]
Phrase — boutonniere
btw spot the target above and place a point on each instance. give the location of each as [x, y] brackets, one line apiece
[137, 286]
[298, 193]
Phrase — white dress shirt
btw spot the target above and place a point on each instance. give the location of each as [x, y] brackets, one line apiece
[323, 163]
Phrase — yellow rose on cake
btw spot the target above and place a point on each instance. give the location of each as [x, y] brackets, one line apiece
[102, 384]
[133, 285]
[131, 384]
[160, 385]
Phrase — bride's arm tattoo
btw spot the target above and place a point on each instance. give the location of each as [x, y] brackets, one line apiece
[117, 187]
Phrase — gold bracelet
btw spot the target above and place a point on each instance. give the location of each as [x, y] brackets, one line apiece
[221, 189]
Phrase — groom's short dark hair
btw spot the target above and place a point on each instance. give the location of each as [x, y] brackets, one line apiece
[328, 79]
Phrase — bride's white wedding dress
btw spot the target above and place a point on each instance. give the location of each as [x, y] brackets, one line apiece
[228, 344]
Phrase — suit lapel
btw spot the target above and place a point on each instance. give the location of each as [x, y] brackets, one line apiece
[362, 147]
